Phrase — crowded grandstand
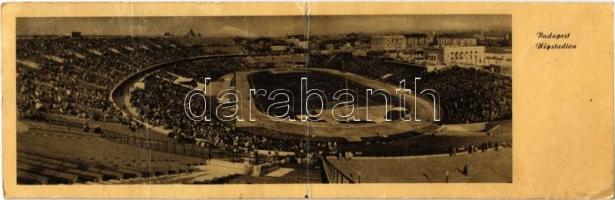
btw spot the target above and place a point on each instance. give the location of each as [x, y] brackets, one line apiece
[119, 101]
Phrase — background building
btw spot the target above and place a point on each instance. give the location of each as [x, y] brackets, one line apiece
[418, 40]
[470, 55]
[388, 42]
[499, 60]
[298, 41]
[455, 39]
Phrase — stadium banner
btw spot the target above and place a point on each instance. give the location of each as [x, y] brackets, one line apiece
[307, 100]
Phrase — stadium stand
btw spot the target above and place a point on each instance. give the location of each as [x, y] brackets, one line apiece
[493, 166]
[63, 96]
[169, 113]
[43, 151]
[467, 95]
[74, 75]
[70, 79]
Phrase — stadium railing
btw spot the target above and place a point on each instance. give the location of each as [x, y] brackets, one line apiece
[166, 146]
[169, 146]
[333, 174]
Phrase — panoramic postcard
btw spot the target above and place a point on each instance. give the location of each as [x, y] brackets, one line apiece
[264, 99]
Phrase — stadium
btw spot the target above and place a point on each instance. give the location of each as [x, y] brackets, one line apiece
[112, 110]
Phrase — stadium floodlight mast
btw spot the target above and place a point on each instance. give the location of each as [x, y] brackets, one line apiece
[283, 99]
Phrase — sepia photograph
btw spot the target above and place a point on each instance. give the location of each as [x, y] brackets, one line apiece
[318, 99]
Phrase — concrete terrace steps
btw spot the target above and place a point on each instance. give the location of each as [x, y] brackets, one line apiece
[75, 126]
[107, 174]
[57, 154]
[204, 174]
[56, 129]
[63, 133]
[56, 176]
[96, 172]
[64, 169]
[82, 175]
[226, 164]
[31, 178]
[489, 166]
[39, 169]
[184, 178]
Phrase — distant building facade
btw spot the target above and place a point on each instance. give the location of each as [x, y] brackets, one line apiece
[388, 42]
[299, 41]
[418, 40]
[456, 55]
[462, 40]
[498, 59]
[499, 62]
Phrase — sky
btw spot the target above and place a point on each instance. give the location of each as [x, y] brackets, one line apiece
[261, 26]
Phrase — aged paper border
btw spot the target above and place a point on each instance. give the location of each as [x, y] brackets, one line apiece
[562, 101]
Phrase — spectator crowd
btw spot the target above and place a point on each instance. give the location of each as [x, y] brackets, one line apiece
[161, 103]
[74, 76]
[467, 94]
